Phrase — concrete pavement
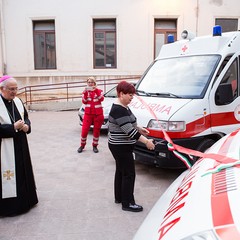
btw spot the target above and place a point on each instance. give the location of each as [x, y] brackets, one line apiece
[76, 190]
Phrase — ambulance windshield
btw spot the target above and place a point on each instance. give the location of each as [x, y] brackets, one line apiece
[182, 77]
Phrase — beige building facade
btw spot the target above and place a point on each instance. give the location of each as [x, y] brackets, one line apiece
[53, 41]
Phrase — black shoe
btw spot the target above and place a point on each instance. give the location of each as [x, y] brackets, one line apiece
[80, 149]
[133, 208]
[95, 149]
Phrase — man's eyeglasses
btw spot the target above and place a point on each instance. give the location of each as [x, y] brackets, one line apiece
[13, 89]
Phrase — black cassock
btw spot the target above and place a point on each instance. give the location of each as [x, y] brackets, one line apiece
[26, 188]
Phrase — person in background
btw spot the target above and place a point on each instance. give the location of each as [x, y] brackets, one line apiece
[122, 136]
[93, 114]
[17, 186]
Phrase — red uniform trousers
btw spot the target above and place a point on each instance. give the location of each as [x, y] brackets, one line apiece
[88, 120]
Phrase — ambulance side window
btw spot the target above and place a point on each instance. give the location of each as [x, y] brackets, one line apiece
[224, 63]
[230, 84]
[231, 77]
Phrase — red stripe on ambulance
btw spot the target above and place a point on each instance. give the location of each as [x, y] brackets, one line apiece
[196, 127]
[176, 204]
[223, 224]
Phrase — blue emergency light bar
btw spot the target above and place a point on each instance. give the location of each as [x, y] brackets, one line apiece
[217, 30]
[170, 38]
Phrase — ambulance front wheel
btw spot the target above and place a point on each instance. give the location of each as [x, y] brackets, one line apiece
[203, 146]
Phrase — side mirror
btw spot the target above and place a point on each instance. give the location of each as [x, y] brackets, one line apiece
[224, 94]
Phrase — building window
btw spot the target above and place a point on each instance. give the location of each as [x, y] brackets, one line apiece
[162, 28]
[44, 44]
[104, 42]
[227, 24]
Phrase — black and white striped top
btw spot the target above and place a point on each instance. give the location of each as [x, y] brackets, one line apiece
[122, 126]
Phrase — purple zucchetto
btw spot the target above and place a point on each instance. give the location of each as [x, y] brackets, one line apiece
[5, 77]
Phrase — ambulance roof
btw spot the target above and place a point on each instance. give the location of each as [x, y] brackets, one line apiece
[228, 43]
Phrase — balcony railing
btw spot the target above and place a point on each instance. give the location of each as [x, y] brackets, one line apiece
[64, 91]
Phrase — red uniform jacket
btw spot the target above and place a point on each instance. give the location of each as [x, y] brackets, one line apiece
[92, 100]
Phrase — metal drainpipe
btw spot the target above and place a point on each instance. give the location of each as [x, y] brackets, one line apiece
[3, 45]
[197, 16]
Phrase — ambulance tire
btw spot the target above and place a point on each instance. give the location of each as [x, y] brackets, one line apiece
[203, 146]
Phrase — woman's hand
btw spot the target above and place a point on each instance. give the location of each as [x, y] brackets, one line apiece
[149, 144]
[143, 131]
[89, 88]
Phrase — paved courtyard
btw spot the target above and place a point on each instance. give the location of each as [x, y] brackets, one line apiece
[75, 190]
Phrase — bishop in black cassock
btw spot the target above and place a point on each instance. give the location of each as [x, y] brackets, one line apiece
[17, 185]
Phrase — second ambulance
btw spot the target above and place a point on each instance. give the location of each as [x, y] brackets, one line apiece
[203, 202]
[191, 91]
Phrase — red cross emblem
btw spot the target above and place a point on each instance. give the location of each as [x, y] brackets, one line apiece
[184, 48]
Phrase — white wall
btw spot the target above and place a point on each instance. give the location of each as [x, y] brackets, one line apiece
[73, 23]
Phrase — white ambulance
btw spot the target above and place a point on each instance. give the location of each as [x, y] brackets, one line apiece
[191, 91]
[203, 202]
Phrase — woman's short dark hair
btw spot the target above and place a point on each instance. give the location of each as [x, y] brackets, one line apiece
[125, 88]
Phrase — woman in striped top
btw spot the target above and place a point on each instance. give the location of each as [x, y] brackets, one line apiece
[123, 134]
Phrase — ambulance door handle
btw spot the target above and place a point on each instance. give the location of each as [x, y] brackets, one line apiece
[200, 119]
